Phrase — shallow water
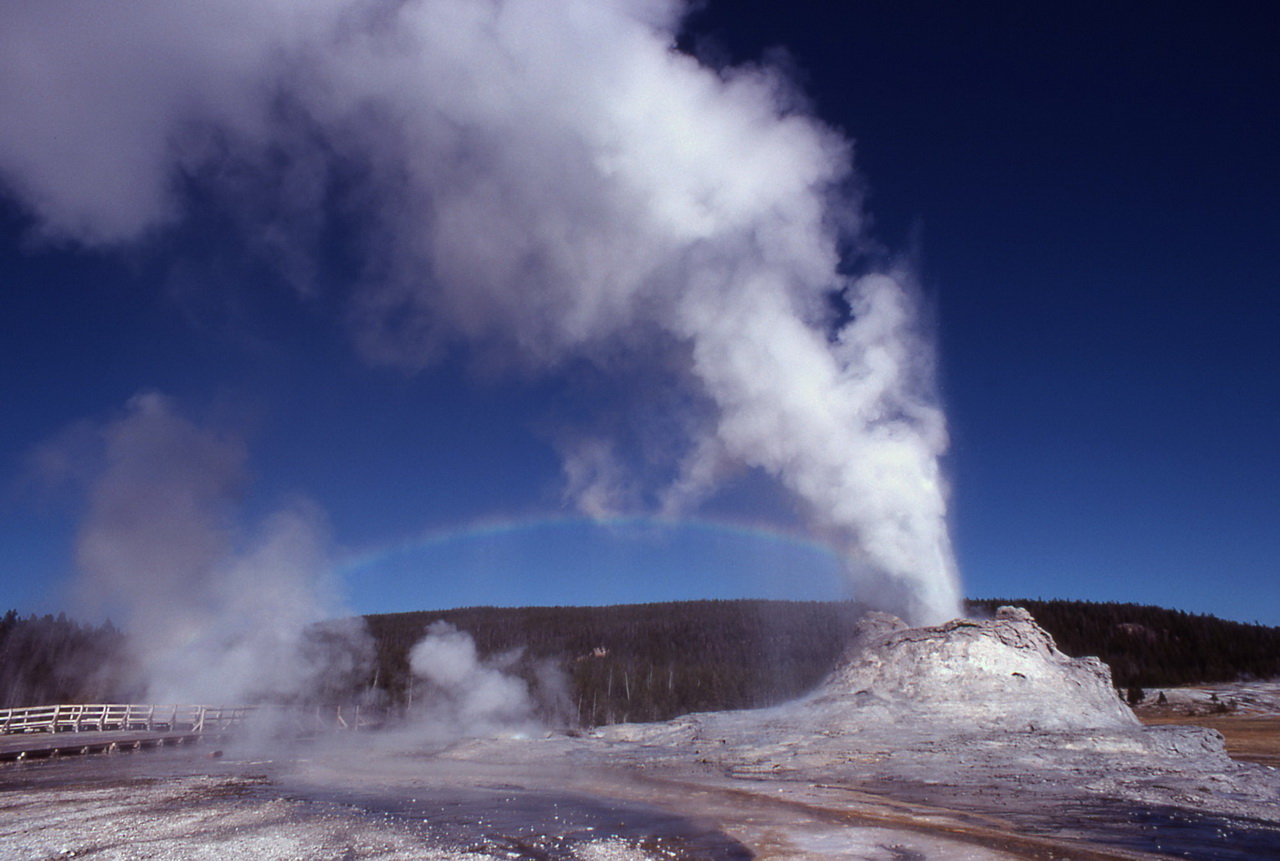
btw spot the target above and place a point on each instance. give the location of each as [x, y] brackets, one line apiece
[1181, 833]
[1175, 832]
[523, 824]
[510, 822]
[546, 824]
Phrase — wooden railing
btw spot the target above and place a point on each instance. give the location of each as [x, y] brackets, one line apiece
[115, 716]
[175, 718]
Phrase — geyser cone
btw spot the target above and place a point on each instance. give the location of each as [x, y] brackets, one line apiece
[1004, 673]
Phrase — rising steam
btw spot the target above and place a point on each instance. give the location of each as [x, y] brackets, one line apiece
[460, 693]
[215, 612]
[545, 181]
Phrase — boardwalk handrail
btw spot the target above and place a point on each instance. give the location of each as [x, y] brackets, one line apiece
[172, 718]
[119, 716]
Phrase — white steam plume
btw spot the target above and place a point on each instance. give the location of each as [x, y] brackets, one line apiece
[545, 179]
[212, 614]
[456, 693]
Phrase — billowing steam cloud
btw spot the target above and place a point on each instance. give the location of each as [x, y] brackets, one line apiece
[213, 613]
[544, 180]
[460, 692]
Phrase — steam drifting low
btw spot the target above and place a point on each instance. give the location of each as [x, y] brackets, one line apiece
[216, 610]
[545, 181]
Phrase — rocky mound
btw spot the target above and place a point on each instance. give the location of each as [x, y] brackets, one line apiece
[1004, 673]
[984, 716]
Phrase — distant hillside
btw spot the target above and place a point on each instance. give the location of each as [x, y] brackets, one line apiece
[48, 659]
[650, 662]
[655, 661]
[645, 662]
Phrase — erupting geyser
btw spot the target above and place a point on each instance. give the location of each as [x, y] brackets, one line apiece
[546, 181]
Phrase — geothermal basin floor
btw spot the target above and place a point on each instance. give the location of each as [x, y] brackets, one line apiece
[969, 741]
[537, 799]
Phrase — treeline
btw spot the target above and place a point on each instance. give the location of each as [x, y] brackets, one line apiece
[647, 662]
[53, 659]
[1152, 647]
[641, 662]
[655, 661]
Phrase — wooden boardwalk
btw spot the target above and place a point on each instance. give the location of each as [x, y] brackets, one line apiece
[44, 746]
[39, 732]
[117, 716]
[61, 730]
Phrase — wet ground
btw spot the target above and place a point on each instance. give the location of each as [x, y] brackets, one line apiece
[495, 799]
[1116, 824]
[970, 741]
[545, 824]
[1246, 713]
[190, 803]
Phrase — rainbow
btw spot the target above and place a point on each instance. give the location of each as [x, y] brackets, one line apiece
[622, 527]
[564, 559]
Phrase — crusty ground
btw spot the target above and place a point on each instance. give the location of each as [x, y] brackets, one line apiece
[1249, 738]
[214, 818]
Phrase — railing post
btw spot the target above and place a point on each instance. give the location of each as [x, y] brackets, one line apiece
[133, 717]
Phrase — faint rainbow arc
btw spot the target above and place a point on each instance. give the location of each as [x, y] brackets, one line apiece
[500, 527]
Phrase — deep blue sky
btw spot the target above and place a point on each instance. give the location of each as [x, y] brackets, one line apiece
[1090, 192]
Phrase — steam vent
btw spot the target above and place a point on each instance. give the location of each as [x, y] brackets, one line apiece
[1005, 673]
